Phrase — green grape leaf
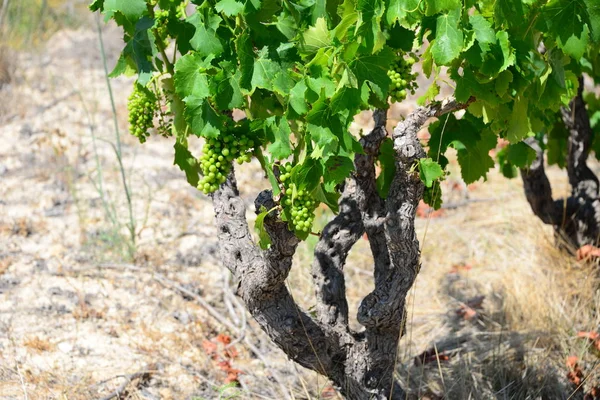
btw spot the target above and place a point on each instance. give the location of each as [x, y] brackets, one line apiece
[328, 198]
[205, 40]
[323, 137]
[133, 10]
[191, 77]
[449, 38]
[297, 100]
[228, 91]
[520, 154]
[265, 71]
[429, 171]
[558, 145]
[507, 53]
[518, 123]
[281, 148]
[433, 7]
[229, 7]
[308, 174]
[475, 162]
[373, 68]
[432, 196]
[506, 167]
[471, 140]
[138, 52]
[387, 165]
[97, 5]
[503, 82]
[245, 53]
[484, 33]
[316, 37]
[203, 119]
[337, 168]
[432, 91]
[398, 10]
[509, 13]
[593, 9]
[564, 20]
[187, 163]
[264, 240]
[401, 38]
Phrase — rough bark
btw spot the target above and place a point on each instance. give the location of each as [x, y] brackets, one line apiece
[576, 219]
[360, 364]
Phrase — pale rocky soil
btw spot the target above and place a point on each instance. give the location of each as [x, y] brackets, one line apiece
[77, 316]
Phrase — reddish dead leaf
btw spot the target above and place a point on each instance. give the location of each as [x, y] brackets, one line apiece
[231, 352]
[461, 267]
[210, 348]
[575, 375]
[593, 394]
[593, 336]
[223, 338]
[429, 356]
[466, 312]
[424, 211]
[572, 362]
[467, 309]
[328, 393]
[588, 251]
[232, 373]
[457, 186]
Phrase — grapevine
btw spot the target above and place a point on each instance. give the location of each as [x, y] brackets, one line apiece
[218, 156]
[142, 106]
[403, 80]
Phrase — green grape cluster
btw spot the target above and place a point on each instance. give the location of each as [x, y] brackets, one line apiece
[217, 157]
[161, 17]
[403, 80]
[142, 106]
[299, 204]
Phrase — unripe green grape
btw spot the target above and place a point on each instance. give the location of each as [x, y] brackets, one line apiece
[402, 81]
[300, 207]
[142, 107]
[217, 158]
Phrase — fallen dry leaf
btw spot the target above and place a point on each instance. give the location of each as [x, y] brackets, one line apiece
[588, 251]
[424, 211]
[575, 375]
[460, 267]
[429, 356]
[467, 310]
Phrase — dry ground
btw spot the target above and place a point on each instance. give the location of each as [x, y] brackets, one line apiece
[494, 314]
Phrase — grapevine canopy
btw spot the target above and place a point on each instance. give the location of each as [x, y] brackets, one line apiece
[300, 70]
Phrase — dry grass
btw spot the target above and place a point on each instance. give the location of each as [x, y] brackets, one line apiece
[536, 299]
[38, 344]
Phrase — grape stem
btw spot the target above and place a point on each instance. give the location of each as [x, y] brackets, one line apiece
[160, 47]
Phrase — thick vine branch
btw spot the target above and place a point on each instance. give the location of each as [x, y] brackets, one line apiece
[261, 285]
[359, 202]
[538, 190]
[582, 180]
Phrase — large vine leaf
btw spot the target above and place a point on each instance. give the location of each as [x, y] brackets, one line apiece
[449, 38]
[565, 21]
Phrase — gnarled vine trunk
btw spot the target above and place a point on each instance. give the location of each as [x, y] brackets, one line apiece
[360, 364]
[576, 219]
